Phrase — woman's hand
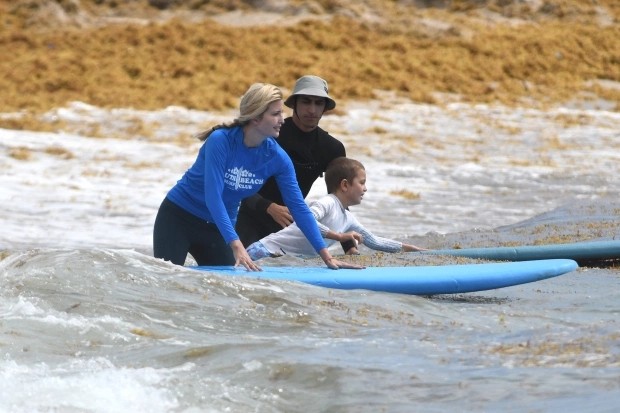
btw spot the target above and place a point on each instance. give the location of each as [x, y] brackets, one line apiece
[242, 257]
[335, 264]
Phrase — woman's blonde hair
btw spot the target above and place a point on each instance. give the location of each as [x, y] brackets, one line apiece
[254, 103]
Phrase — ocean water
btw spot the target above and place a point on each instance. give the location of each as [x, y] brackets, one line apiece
[91, 322]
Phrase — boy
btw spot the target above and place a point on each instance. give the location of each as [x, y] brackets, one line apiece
[346, 184]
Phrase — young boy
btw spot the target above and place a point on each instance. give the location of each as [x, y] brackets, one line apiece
[346, 184]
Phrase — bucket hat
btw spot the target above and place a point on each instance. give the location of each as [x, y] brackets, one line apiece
[311, 86]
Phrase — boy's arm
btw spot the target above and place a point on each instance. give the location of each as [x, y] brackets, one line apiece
[379, 243]
[320, 209]
[352, 236]
[388, 245]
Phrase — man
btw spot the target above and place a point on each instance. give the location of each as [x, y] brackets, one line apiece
[310, 148]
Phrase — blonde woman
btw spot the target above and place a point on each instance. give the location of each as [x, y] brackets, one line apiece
[198, 214]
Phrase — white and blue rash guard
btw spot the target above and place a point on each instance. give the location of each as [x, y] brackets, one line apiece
[226, 171]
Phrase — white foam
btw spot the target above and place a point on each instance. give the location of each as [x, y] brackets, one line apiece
[93, 385]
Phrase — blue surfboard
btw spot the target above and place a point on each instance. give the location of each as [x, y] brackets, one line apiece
[579, 251]
[418, 280]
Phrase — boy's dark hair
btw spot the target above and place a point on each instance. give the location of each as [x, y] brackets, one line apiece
[339, 169]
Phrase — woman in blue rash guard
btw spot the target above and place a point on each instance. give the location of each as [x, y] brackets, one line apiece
[198, 214]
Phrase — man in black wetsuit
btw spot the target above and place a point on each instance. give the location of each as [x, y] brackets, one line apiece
[310, 148]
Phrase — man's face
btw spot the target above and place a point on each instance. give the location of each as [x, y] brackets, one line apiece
[308, 112]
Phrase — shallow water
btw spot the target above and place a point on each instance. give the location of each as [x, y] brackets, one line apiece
[92, 323]
[112, 330]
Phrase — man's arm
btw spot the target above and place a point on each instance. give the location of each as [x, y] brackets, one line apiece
[257, 202]
[278, 213]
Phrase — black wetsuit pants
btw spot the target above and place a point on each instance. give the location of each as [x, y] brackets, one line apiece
[177, 232]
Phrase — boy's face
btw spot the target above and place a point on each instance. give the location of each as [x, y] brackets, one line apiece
[356, 189]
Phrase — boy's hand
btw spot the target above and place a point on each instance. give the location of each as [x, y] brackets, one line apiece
[412, 248]
[351, 236]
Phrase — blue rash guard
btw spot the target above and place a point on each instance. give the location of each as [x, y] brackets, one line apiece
[226, 171]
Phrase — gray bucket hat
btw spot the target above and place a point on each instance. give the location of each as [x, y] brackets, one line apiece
[311, 86]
